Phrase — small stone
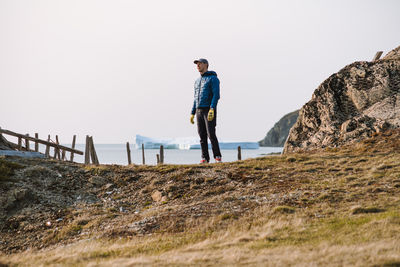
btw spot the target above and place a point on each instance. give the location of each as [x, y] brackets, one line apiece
[48, 224]
[20, 193]
[98, 180]
[156, 196]
[108, 186]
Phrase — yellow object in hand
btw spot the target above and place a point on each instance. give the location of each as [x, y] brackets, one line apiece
[211, 114]
[192, 119]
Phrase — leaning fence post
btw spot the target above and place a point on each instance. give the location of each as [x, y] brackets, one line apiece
[239, 153]
[36, 143]
[87, 151]
[161, 154]
[73, 147]
[27, 143]
[93, 154]
[377, 55]
[143, 159]
[128, 151]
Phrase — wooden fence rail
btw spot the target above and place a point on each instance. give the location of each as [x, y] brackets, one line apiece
[43, 142]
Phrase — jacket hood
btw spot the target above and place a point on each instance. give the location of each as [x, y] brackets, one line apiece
[209, 73]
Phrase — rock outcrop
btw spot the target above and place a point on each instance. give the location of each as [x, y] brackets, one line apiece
[362, 98]
[278, 134]
[4, 144]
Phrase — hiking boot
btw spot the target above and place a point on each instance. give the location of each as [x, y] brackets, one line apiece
[218, 159]
[203, 161]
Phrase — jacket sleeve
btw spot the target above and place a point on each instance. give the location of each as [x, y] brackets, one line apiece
[194, 101]
[194, 108]
[215, 91]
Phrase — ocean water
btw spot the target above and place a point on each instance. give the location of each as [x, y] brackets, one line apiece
[116, 154]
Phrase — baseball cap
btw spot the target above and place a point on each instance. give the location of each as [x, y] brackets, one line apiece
[202, 60]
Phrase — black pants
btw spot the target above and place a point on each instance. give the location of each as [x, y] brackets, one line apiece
[206, 129]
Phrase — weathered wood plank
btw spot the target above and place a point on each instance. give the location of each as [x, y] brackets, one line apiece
[73, 147]
[87, 150]
[93, 153]
[47, 153]
[161, 154]
[27, 143]
[19, 143]
[143, 158]
[239, 153]
[36, 143]
[128, 151]
[377, 55]
[56, 150]
[39, 141]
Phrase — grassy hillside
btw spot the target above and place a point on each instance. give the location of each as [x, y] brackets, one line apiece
[333, 207]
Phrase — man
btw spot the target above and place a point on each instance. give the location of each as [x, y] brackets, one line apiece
[206, 96]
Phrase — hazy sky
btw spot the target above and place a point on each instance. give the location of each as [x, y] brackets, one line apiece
[114, 69]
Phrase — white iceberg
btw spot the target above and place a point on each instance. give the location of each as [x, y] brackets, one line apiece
[187, 143]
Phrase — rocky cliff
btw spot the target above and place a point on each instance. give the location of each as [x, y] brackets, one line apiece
[359, 100]
[278, 134]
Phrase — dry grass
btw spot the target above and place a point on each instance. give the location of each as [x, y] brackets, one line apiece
[338, 207]
[261, 238]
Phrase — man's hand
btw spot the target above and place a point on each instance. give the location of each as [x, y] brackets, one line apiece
[210, 114]
[192, 119]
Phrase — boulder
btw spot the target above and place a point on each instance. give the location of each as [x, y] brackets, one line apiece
[362, 98]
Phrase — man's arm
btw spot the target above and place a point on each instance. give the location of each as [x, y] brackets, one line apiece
[193, 108]
[215, 91]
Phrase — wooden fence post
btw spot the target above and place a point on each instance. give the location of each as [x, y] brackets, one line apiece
[87, 151]
[27, 143]
[143, 159]
[161, 154]
[73, 147]
[158, 159]
[47, 154]
[19, 143]
[377, 55]
[56, 145]
[128, 151]
[239, 153]
[36, 143]
[93, 154]
[57, 149]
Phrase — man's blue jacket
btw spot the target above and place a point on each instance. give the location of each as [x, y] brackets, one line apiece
[206, 91]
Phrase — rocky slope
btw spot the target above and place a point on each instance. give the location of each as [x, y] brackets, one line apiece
[362, 98]
[278, 134]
